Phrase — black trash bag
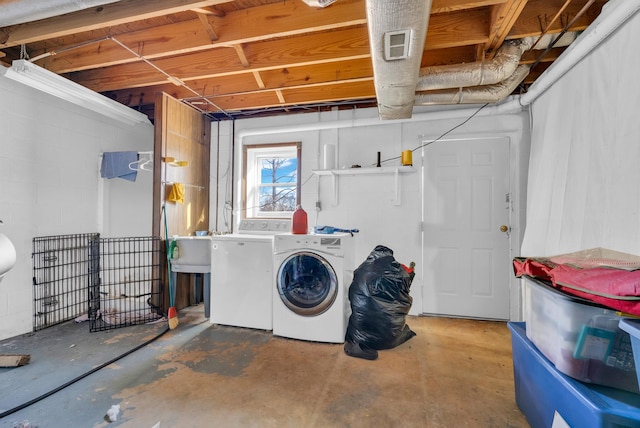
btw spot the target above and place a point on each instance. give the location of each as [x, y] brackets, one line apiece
[380, 302]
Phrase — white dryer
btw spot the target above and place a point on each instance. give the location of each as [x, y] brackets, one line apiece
[311, 286]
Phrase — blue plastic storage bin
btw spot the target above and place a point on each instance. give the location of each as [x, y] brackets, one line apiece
[632, 326]
[581, 338]
[541, 391]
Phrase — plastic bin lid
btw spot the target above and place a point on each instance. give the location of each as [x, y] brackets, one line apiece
[631, 326]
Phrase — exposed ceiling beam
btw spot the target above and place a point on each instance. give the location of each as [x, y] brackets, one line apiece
[443, 6]
[503, 17]
[327, 93]
[532, 20]
[280, 78]
[457, 29]
[107, 15]
[334, 46]
[267, 22]
[254, 54]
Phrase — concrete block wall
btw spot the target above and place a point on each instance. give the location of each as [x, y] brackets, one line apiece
[49, 176]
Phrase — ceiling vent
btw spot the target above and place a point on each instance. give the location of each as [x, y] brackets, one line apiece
[319, 3]
[396, 44]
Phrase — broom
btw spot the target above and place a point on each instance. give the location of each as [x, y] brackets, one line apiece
[172, 315]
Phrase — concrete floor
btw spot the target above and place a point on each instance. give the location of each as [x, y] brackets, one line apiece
[454, 373]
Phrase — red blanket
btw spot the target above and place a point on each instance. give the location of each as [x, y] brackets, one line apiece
[602, 276]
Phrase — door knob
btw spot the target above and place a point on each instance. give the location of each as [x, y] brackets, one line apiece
[504, 228]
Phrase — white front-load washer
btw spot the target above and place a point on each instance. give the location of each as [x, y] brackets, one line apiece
[311, 286]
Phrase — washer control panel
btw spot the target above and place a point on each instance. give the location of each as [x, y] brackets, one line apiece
[271, 226]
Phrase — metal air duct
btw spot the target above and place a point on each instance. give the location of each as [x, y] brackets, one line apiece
[395, 79]
[478, 73]
[483, 82]
[475, 94]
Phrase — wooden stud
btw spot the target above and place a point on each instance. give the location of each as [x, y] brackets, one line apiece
[256, 75]
[204, 20]
[243, 58]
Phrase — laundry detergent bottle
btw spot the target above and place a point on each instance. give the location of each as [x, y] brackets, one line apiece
[299, 224]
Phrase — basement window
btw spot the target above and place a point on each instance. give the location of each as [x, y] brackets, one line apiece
[271, 178]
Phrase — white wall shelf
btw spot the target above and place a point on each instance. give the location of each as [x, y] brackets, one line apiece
[394, 170]
[369, 170]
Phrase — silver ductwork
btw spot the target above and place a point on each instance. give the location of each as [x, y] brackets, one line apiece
[479, 73]
[395, 77]
[15, 12]
[475, 94]
[483, 82]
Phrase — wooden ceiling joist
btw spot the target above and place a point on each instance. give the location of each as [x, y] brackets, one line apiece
[108, 15]
[281, 78]
[278, 20]
[249, 55]
[503, 17]
[323, 94]
[335, 46]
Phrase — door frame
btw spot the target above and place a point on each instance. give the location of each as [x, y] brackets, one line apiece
[518, 170]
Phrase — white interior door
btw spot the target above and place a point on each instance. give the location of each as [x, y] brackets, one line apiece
[466, 210]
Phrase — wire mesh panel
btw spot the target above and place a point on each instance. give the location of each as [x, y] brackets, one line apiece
[61, 277]
[127, 291]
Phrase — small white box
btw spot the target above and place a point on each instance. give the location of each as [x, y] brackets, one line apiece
[582, 339]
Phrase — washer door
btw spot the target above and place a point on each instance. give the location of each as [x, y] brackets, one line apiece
[307, 283]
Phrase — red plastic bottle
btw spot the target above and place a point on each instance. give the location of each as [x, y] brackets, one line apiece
[299, 221]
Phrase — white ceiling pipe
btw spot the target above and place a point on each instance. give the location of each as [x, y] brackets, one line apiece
[452, 113]
[19, 12]
[395, 80]
[476, 94]
[614, 14]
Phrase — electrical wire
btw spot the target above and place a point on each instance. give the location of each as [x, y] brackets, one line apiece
[82, 376]
[286, 194]
[283, 196]
[443, 135]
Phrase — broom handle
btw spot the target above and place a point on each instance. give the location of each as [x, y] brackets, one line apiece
[172, 296]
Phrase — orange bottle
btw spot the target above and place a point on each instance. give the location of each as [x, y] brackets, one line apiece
[299, 221]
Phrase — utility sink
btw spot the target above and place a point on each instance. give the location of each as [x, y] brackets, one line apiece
[194, 254]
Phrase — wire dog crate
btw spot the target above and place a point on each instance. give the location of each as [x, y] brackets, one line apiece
[114, 282]
[128, 292]
[61, 277]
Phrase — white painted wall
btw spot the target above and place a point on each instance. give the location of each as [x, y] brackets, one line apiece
[49, 181]
[366, 202]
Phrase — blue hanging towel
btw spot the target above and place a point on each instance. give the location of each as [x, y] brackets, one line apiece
[116, 164]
